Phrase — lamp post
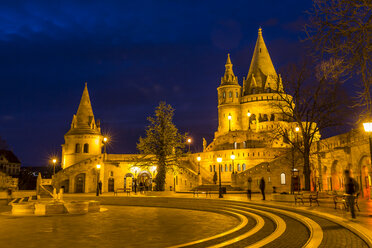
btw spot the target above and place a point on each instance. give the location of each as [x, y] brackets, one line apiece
[297, 129]
[135, 170]
[368, 128]
[189, 141]
[232, 160]
[153, 171]
[249, 120]
[219, 160]
[54, 166]
[105, 140]
[229, 117]
[198, 158]
[98, 166]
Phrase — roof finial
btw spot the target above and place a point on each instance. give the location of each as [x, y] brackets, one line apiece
[228, 61]
[260, 31]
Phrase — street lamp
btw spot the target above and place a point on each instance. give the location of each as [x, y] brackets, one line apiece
[189, 141]
[232, 159]
[135, 170]
[98, 166]
[105, 140]
[368, 128]
[198, 158]
[219, 160]
[54, 166]
[153, 171]
[249, 119]
[229, 117]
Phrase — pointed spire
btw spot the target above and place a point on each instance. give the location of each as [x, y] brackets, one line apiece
[229, 77]
[84, 118]
[261, 64]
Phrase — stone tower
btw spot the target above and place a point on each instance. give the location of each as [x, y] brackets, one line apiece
[229, 100]
[84, 139]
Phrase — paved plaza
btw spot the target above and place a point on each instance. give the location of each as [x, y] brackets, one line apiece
[184, 220]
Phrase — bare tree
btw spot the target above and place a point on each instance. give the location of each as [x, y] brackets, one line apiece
[342, 29]
[312, 103]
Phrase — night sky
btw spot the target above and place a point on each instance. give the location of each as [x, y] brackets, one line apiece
[133, 54]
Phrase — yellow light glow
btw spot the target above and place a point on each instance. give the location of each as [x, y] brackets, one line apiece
[367, 127]
[297, 129]
[232, 156]
[98, 166]
[135, 169]
[249, 114]
[198, 158]
[189, 140]
[54, 160]
[105, 139]
[219, 159]
[229, 117]
[153, 168]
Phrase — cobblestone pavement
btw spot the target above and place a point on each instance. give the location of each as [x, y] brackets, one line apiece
[177, 221]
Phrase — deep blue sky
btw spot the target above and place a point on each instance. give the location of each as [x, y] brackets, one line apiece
[133, 54]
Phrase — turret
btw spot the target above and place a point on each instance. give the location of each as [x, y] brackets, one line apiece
[229, 93]
[262, 77]
[84, 139]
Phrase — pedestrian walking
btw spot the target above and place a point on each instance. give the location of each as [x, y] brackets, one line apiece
[351, 188]
[249, 191]
[262, 188]
[9, 194]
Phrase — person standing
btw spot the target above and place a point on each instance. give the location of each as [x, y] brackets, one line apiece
[249, 191]
[262, 187]
[100, 187]
[351, 188]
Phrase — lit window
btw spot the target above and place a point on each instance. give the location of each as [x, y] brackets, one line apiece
[224, 95]
[282, 178]
[230, 94]
[238, 167]
[230, 167]
[225, 167]
[236, 94]
[243, 167]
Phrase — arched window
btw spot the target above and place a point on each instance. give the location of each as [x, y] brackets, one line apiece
[268, 90]
[224, 95]
[77, 148]
[243, 167]
[230, 94]
[214, 168]
[238, 167]
[230, 167]
[253, 91]
[225, 167]
[235, 145]
[86, 148]
[236, 94]
[282, 178]
[210, 168]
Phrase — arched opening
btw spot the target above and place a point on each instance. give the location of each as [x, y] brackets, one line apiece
[238, 167]
[364, 177]
[128, 181]
[335, 175]
[65, 185]
[77, 148]
[144, 181]
[243, 167]
[86, 148]
[111, 185]
[80, 183]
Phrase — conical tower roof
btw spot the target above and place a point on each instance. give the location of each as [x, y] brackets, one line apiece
[83, 121]
[229, 76]
[261, 64]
